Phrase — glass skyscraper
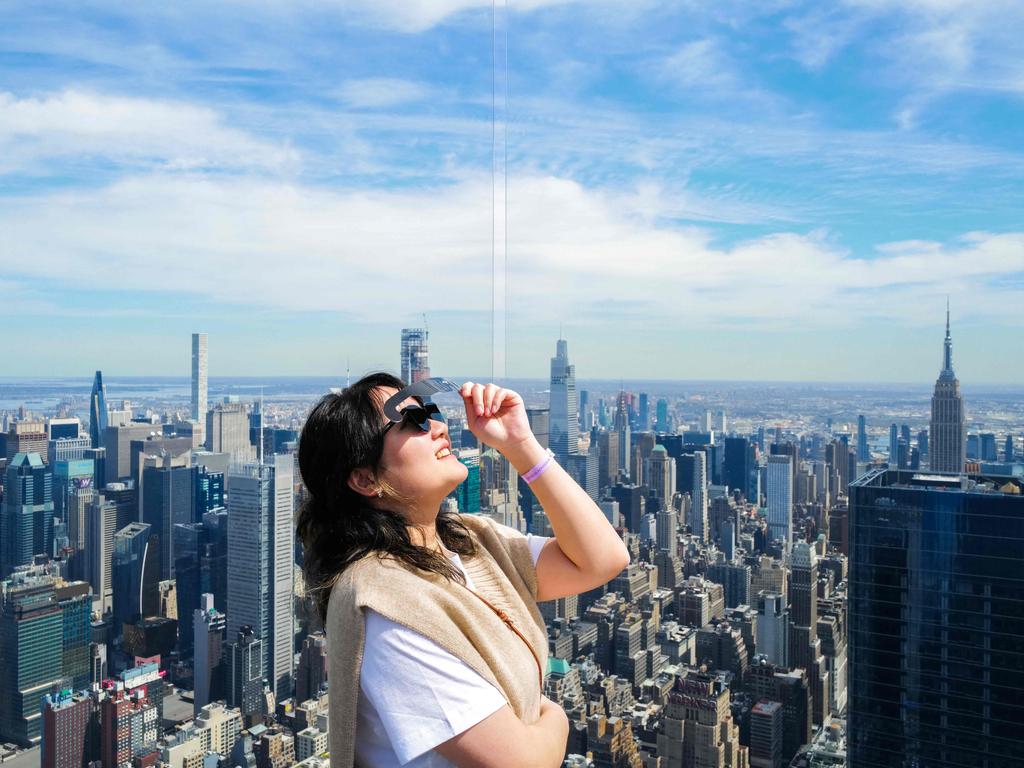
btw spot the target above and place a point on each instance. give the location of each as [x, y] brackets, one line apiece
[415, 363]
[564, 434]
[97, 411]
[936, 620]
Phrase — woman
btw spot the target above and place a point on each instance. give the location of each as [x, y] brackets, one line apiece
[437, 649]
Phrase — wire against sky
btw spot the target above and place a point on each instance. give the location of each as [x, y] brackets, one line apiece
[499, 189]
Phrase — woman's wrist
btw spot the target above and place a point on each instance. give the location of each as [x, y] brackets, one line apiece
[525, 455]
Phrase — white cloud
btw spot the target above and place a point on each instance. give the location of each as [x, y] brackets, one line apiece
[78, 127]
[698, 63]
[381, 92]
[600, 256]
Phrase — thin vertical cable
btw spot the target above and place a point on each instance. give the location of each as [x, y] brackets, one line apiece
[505, 172]
[494, 161]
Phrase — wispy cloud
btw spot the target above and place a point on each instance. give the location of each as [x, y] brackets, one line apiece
[381, 92]
[77, 125]
[301, 249]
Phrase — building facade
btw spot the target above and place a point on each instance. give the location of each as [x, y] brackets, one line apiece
[935, 632]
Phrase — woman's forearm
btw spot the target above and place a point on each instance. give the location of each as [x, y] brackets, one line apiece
[583, 532]
[549, 735]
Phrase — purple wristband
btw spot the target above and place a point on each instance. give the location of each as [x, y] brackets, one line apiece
[538, 470]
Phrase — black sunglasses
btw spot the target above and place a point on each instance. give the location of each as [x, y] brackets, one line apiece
[420, 415]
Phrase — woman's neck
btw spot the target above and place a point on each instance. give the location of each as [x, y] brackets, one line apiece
[423, 532]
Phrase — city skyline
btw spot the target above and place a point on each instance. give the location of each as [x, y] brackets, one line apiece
[705, 204]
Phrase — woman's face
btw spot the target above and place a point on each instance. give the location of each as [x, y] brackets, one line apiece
[419, 465]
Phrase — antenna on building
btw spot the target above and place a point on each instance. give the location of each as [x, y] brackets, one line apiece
[261, 424]
[426, 329]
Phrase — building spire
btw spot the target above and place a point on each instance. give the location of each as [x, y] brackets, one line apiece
[947, 358]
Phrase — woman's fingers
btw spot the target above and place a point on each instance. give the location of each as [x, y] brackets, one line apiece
[486, 400]
[489, 392]
[499, 398]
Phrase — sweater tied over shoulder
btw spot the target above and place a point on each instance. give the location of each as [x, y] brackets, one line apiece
[447, 613]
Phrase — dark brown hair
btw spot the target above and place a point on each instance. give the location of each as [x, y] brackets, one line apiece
[338, 526]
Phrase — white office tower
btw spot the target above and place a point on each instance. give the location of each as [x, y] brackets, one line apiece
[722, 423]
[780, 499]
[773, 627]
[661, 475]
[563, 424]
[261, 560]
[101, 522]
[699, 508]
[199, 388]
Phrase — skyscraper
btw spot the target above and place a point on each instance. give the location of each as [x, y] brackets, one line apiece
[44, 628]
[697, 727]
[261, 564]
[621, 426]
[773, 627]
[208, 662]
[804, 645]
[101, 525]
[863, 451]
[415, 364]
[168, 499]
[935, 620]
[68, 738]
[564, 435]
[227, 431]
[780, 499]
[661, 476]
[26, 516]
[739, 467]
[948, 450]
[133, 573]
[661, 416]
[245, 672]
[698, 517]
[199, 388]
[97, 411]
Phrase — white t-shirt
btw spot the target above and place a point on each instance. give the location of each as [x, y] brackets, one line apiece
[415, 695]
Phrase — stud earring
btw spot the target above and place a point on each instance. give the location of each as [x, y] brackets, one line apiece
[380, 493]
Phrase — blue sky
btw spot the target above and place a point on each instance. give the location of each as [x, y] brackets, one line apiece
[773, 190]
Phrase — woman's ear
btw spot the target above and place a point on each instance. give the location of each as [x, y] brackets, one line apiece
[362, 481]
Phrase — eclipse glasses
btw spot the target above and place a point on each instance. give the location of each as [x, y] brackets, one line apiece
[420, 415]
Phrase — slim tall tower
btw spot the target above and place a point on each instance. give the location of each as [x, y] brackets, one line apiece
[863, 452]
[199, 389]
[97, 411]
[564, 439]
[948, 447]
[699, 508]
[415, 365]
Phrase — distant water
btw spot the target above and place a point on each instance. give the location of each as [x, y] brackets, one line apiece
[47, 394]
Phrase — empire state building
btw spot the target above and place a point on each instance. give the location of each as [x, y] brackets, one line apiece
[948, 449]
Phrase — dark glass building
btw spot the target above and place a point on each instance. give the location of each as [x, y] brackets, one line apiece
[97, 411]
[936, 620]
[26, 513]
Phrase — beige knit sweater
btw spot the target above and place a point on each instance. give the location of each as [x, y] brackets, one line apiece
[447, 613]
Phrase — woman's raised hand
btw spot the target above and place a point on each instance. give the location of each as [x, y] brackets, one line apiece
[496, 416]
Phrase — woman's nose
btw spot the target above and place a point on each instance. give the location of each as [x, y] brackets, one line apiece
[438, 429]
